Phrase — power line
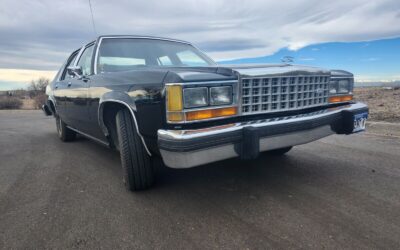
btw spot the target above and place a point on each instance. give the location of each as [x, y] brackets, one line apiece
[91, 12]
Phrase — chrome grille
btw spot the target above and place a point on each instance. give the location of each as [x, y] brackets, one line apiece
[273, 94]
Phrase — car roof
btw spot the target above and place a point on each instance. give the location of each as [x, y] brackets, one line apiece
[143, 37]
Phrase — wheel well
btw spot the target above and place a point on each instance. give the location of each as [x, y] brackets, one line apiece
[110, 111]
[52, 108]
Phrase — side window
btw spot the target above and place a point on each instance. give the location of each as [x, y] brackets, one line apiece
[69, 63]
[188, 57]
[164, 60]
[86, 60]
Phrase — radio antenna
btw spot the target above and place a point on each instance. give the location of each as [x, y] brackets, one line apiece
[91, 12]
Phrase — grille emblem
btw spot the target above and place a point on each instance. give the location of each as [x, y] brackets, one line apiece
[319, 91]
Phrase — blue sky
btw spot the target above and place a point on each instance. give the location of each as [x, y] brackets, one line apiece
[369, 61]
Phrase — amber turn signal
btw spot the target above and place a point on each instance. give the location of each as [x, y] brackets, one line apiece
[175, 116]
[210, 113]
[174, 98]
[343, 98]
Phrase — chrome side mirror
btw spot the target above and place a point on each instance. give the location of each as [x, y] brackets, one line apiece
[75, 71]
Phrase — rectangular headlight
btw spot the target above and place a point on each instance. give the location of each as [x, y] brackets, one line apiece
[195, 97]
[344, 86]
[340, 86]
[221, 95]
[333, 87]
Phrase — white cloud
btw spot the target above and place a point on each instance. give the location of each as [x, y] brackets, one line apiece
[40, 34]
[21, 75]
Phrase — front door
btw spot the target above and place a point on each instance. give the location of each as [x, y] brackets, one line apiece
[60, 89]
[77, 88]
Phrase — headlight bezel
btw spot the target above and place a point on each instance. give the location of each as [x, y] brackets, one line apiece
[335, 83]
[336, 95]
[218, 108]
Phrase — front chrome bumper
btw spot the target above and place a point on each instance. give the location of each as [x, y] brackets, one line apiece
[190, 148]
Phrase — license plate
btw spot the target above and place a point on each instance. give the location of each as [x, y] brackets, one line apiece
[359, 122]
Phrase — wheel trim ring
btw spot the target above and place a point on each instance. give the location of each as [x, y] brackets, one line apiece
[59, 126]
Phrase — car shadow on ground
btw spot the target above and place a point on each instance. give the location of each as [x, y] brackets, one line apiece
[267, 172]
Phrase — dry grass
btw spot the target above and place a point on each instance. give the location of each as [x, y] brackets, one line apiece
[10, 102]
[384, 104]
[28, 104]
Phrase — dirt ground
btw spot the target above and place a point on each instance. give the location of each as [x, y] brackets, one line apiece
[384, 104]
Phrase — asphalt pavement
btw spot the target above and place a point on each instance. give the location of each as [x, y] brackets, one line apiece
[341, 192]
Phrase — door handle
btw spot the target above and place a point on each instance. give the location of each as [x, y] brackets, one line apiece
[69, 84]
[56, 86]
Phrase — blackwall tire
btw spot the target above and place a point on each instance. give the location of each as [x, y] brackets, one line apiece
[64, 133]
[137, 165]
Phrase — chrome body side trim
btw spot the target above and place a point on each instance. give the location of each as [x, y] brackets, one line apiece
[89, 136]
[101, 122]
[187, 159]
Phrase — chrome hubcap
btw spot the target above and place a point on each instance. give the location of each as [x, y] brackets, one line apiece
[59, 126]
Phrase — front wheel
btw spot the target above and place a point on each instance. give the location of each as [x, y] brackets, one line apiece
[64, 133]
[137, 165]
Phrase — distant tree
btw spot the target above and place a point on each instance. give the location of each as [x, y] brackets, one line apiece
[38, 86]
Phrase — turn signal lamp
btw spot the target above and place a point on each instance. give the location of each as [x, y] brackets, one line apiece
[343, 98]
[174, 98]
[210, 113]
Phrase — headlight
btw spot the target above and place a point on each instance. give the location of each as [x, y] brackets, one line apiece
[333, 87]
[340, 90]
[195, 97]
[221, 95]
[344, 86]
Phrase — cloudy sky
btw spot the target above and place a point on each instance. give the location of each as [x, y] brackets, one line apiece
[37, 36]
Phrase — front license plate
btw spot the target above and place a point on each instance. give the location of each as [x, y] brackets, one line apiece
[359, 122]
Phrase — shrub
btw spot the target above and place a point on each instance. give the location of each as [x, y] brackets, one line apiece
[39, 100]
[10, 102]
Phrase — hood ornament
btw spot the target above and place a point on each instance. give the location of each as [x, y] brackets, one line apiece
[287, 59]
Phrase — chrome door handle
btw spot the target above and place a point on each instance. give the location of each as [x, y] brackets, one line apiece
[69, 84]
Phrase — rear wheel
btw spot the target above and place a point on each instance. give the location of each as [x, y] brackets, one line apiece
[279, 151]
[64, 133]
[137, 165]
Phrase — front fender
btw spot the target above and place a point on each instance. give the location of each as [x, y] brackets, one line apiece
[125, 100]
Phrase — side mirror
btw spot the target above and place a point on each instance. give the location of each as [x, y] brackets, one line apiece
[75, 71]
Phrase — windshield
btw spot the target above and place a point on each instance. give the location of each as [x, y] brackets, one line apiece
[122, 54]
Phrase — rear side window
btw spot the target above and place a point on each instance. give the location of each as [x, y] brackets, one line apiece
[70, 62]
[86, 60]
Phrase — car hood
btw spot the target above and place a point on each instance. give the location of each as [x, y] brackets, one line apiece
[229, 72]
[161, 75]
